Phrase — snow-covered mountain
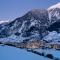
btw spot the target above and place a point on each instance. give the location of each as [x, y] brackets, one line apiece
[32, 25]
[35, 24]
[54, 12]
[54, 17]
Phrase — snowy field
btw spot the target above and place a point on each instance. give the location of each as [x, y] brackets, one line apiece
[11, 53]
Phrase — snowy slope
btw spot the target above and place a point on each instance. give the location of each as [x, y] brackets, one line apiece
[54, 6]
[5, 21]
[54, 12]
[55, 53]
[53, 37]
[10, 53]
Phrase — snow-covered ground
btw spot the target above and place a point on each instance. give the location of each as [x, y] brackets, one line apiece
[11, 53]
[55, 53]
[52, 36]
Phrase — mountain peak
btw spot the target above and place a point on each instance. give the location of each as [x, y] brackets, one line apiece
[37, 11]
[54, 6]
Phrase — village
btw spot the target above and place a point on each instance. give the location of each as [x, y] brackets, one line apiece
[36, 44]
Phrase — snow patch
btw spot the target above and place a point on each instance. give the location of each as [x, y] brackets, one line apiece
[52, 36]
[1, 21]
[54, 6]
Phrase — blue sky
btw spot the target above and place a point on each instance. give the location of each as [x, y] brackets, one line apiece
[10, 9]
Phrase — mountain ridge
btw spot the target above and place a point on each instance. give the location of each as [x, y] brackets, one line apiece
[35, 24]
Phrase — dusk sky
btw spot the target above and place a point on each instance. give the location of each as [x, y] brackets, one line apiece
[11, 9]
